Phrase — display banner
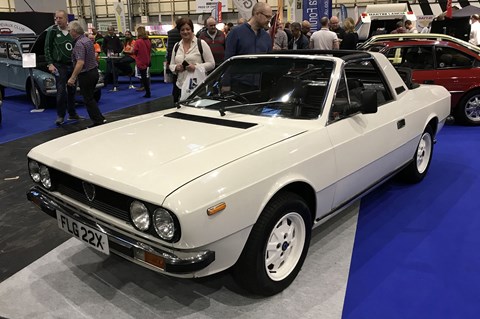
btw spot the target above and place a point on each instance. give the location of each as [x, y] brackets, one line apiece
[206, 6]
[314, 10]
[291, 16]
[449, 9]
[356, 14]
[120, 16]
[244, 8]
[343, 12]
[217, 12]
[280, 6]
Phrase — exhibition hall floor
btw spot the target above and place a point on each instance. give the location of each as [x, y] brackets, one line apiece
[404, 251]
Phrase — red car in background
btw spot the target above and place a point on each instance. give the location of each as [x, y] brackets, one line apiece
[437, 59]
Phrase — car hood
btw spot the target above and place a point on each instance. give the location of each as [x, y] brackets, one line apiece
[150, 156]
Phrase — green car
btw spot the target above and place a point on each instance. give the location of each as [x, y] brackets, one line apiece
[159, 52]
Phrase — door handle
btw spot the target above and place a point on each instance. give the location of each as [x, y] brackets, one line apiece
[429, 82]
[401, 124]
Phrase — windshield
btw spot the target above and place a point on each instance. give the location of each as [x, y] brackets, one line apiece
[266, 86]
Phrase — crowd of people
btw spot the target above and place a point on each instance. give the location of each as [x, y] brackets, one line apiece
[186, 51]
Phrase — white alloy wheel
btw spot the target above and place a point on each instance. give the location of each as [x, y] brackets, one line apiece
[424, 152]
[285, 246]
[277, 246]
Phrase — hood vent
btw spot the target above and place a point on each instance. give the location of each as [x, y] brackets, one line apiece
[210, 120]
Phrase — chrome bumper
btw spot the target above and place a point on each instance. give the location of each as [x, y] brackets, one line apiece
[170, 262]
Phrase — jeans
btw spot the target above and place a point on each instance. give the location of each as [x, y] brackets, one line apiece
[87, 81]
[65, 93]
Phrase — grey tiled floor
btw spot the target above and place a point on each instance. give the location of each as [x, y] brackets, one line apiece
[73, 281]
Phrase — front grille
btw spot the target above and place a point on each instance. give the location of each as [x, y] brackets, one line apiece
[106, 201]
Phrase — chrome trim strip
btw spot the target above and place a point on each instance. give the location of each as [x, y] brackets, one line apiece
[176, 262]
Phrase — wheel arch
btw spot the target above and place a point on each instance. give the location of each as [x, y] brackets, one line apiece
[433, 123]
[302, 189]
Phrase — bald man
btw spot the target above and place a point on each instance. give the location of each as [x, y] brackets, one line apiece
[215, 40]
[306, 27]
[335, 27]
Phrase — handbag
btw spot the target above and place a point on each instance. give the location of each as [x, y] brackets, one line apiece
[192, 80]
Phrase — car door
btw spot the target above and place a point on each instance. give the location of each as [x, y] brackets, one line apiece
[366, 145]
[455, 71]
[421, 59]
[16, 73]
[3, 64]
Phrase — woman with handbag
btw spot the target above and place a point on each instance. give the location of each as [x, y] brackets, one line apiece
[141, 50]
[190, 55]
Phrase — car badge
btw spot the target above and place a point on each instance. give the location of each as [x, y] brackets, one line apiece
[89, 190]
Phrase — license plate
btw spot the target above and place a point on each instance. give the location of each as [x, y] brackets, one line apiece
[88, 235]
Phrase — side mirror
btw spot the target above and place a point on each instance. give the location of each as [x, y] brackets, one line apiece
[369, 102]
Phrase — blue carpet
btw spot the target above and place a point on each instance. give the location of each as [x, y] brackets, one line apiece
[19, 121]
[416, 247]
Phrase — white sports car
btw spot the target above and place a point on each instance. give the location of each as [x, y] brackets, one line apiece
[265, 149]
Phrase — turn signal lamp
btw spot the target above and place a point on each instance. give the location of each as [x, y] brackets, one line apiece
[216, 209]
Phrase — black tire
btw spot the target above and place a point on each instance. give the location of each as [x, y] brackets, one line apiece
[38, 99]
[468, 109]
[97, 95]
[281, 233]
[418, 168]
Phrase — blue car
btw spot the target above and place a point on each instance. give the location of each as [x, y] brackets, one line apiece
[42, 90]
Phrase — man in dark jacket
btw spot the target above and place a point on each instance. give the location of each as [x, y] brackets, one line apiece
[58, 54]
[299, 40]
[173, 36]
[111, 45]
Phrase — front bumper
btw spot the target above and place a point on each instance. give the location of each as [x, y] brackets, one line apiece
[171, 262]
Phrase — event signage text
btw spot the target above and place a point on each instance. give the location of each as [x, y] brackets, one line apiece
[314, 10]
[205, 6]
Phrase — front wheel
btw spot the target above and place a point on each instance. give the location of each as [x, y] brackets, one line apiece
[277, 246]
[422, 157]
[468, 110]
[39, 100]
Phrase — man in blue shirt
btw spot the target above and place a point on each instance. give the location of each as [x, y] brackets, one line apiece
[251, 37]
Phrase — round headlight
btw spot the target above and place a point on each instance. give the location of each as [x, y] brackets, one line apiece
[139, 215]
[163, 224]
[45, 177]
[34, 170]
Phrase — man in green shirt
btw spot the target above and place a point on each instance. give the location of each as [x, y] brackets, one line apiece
[58, 54]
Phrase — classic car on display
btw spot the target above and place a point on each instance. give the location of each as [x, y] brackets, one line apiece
[266, 148]
[438, 59]
[12, 74]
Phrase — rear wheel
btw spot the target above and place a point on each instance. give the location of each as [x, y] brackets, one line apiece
[277, 246]
[468, 110]
[422, 157]
[39, 100]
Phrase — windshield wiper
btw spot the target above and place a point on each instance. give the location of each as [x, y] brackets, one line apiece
[179, 103]
[222, 109]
